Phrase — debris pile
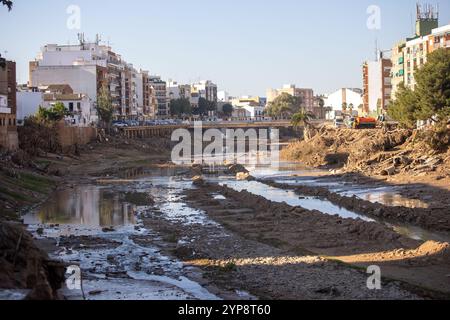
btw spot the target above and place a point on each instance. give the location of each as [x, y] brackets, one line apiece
[372, 152]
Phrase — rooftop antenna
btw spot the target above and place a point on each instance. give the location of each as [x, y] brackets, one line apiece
[81, 38]
[376, 49]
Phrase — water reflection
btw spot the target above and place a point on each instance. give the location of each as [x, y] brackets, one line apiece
[85, 205]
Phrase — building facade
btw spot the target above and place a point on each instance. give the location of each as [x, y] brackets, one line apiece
[160, 90]
[307, 95]
[344, 96]
[86, 67]
[206, 89]
[8, 105]
[80, 107]
[377, 86]
[413, 53]
[410, 54]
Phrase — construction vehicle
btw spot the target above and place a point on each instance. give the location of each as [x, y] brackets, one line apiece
[362, 123]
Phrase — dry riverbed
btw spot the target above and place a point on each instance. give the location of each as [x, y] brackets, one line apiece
[140, 229]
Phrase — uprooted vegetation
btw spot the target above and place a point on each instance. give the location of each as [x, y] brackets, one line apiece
[376, 152]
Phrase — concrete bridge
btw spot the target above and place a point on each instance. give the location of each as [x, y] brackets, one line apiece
[166, 130]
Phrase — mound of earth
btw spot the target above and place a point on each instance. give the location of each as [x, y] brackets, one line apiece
[24, 266]
[374, 152]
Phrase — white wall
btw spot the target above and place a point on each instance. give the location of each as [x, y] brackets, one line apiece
[139, 89]
[28, 104]
[375, 84]
[82, 79]
[53, 55]
[336, 99]
[223, 96]
[254, 111]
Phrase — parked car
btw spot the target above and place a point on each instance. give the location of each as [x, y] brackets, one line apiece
[339, 122]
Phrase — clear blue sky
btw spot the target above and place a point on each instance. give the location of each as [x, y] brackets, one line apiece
[246, 46]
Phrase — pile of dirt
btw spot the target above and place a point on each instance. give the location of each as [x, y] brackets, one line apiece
[25, 266]
[374, 152]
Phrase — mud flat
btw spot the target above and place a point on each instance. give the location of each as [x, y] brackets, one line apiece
[258, 264]
[298, 231]
[120, 259]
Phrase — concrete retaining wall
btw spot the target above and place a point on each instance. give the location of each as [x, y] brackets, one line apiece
[70, 136]
[9, 138]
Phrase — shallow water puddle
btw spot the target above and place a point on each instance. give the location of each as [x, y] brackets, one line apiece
[89, 206]
[324, 206]
[292, 173]
[292, 199]
[96, 228]
[388, 196]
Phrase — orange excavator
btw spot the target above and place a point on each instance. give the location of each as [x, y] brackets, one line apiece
[363, 123]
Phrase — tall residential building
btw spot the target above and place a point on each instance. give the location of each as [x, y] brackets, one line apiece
[149, 101]
[411, 53]
[398, 66]
[8, 105]
[86, 67]
[307, 95]
[377, 85]
[160, 88]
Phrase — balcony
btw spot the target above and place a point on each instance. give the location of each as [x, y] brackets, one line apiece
[5, 110]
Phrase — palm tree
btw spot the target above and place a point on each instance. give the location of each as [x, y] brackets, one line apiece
[303, 118]
[7, 3]
[351, 107]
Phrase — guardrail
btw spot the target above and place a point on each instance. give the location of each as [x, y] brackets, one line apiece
[164, 130]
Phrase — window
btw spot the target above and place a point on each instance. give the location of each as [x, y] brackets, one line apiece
[79, 106]
[70, 106]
